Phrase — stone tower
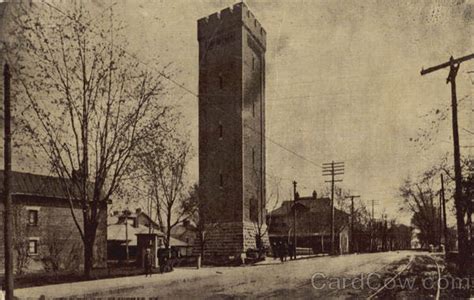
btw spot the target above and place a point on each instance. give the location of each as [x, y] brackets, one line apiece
[232, 47]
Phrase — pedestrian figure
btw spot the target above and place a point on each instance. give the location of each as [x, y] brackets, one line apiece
[147, 262]
[281, 251]
[285, 251]
[274, 250]
[290, 250]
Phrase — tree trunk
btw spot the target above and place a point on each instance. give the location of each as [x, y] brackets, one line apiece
[88, 258]
[88, 252]
[168, 230]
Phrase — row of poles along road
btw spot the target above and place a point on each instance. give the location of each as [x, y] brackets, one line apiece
[334, 169]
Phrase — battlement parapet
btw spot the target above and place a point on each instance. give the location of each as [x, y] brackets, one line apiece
[229, 18]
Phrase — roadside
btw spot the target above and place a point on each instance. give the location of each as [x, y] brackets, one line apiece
[416, 276]
[424, 276]
[93, 288]
[269, 260]
[292, 279]
[118, 280]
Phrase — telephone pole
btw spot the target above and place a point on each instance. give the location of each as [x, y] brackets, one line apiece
[445, 226]
[8, 233]
[372, 226]
[440, 223]
[464, 252]
[295, 197]
[126, 213]
[352, 221]
[333, 169]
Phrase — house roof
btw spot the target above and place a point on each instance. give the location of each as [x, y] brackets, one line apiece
[181, 229]
[35, 185]
[118, 232]
[121, 217]
[314, 221]
[142, 213]
[310, 203]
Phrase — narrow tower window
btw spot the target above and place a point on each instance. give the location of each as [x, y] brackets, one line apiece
[253, 108]
[221, 82]
[253, 62]
[221, 131]
[253, 157]
[221, 180]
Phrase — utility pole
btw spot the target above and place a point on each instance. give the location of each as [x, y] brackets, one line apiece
[295, 197]
[440, 223]
[352, 221]
[464, 252]
[445, 225]
[372, 226]
[126, 213]
[333, 169]
[8, 233]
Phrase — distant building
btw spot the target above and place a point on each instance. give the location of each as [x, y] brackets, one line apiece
[44, 228]
[122, 227]
[125, 226]
[187, 233]
[232, 46]
[313, 224]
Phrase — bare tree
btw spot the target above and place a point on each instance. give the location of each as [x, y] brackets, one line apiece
[341, 196]
[20, 239]
[87, 104]
[60, 251]
[164, 167]
[262, 223]
[197, 212]
[419, 198]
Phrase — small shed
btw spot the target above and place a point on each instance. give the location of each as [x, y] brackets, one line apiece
[153, 241]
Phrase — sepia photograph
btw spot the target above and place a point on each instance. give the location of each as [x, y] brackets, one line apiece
[228, 149]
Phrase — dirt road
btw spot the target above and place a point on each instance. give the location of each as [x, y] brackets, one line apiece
[347, 276]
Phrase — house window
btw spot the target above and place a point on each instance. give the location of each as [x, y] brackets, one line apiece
[33, 246]
[32, 217]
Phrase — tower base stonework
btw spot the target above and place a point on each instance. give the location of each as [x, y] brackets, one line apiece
[250, 235]
[223, 239]
[231, 240]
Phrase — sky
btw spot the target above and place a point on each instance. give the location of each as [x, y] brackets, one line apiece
[342, 83]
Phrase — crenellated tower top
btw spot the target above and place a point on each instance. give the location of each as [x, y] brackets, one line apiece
[227, 19]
